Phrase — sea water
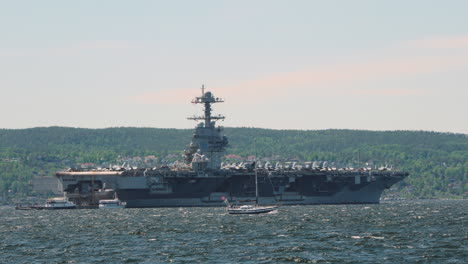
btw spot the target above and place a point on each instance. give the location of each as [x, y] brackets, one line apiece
[428, 231]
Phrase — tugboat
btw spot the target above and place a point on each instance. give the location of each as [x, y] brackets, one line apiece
[29, 207]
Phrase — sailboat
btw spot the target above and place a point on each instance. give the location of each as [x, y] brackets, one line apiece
[249, 209]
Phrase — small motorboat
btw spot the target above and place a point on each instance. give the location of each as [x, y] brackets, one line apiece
[111, 204]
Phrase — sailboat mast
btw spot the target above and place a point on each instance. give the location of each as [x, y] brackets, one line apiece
[256, 187]
[256, 176]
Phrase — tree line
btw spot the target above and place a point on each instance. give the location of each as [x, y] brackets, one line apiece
[437, 162]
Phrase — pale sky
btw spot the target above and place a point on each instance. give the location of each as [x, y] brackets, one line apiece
[377, 65]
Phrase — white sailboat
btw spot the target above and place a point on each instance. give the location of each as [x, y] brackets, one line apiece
[249, 209]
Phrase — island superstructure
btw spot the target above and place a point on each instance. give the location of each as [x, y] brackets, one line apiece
[202, 180]
[208, 139]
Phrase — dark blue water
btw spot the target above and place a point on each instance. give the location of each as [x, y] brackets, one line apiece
[396, 232]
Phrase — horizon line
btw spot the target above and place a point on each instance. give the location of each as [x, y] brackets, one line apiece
[247, 127]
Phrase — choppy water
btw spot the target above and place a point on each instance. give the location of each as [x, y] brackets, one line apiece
[397, 232]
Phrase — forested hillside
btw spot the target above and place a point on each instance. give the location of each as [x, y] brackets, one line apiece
[438, 162]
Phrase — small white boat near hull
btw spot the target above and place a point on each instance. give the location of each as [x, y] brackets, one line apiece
[58, 203]
[111, 204]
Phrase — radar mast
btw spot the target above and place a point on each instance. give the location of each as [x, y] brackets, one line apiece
[207, 99]
[208, 144]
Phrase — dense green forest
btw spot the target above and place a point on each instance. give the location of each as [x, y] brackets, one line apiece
[437, 162]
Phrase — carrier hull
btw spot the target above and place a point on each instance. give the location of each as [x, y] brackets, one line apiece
[170, 188]
[369, 193]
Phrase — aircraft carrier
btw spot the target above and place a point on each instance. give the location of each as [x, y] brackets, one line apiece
[203, 180]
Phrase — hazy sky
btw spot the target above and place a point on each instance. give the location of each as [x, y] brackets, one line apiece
[379, 65]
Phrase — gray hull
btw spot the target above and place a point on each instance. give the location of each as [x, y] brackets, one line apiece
[369, 194]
